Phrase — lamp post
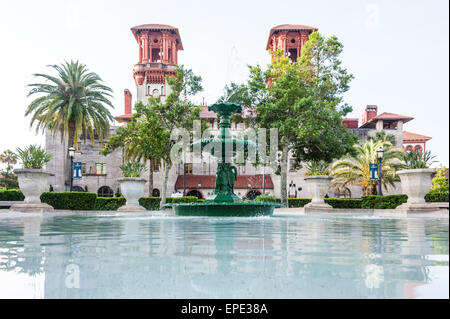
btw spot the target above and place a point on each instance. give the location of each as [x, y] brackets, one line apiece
[71, 155]
[380, 153]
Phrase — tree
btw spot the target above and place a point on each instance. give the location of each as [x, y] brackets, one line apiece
[8, 157]
[141, 138]
[73, 103]
[440, 181]
[147, 135]
[304, 102]
[354, 170]
[384, 137]
[8, 179]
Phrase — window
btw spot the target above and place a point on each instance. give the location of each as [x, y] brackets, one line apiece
[83, 168]
[105, 191]
[188, 168]
[156, 165]
[155, 93]
[100, 168]
[343, 193]
[418, 148]
[162, 90]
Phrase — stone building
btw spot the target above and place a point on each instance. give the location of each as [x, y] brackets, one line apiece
[158, 47]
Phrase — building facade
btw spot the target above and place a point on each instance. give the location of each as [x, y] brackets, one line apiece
[158, 47]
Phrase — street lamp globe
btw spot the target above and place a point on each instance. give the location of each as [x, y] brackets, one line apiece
[380, 153]
[72, 151]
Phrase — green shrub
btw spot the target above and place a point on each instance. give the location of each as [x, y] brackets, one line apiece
[150, 203]
[268, 198]
[70, 200]
[434, 196]
[109, 203]
[298, 202]
[133, 169]
[383, 202]
[11, 195]
[33, 156]
[344, 202]
[185, 199]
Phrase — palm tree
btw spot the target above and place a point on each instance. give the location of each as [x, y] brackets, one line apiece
[354, 170]
[72, 103]
[8, 157]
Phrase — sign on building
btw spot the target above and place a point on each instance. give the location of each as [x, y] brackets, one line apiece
[77, 170]
[373, 172]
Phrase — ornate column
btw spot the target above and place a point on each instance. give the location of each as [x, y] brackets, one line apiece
[145, 49]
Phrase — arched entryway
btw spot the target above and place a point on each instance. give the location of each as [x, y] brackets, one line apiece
[105, 191]
[77, 189]
[156, 192]
[251, 195]
[195, 193]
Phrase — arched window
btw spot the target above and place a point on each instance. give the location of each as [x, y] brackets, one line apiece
[418, 148]
[409, 148]
[156, 192]
[105, 191]
[195, 193]
[155, 93]
[77, 189]
[343, 193]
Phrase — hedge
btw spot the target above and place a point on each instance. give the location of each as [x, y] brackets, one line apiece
[344, 202]
[434, 196]
[109, 203]
[298, 202]
[268, 198]
[11, 195]
[152, 203]
[70, 200]
[383, 202]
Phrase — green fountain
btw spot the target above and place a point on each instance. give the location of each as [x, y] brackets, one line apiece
[224, 202]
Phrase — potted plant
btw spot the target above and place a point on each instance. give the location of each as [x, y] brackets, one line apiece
[416, 179]
[318, 182]
[132, 185]
[33, 179]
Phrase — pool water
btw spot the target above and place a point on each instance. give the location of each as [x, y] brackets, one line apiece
[146, 256]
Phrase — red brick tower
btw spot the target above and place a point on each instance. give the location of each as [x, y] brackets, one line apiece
[290, 38]
[158, 57]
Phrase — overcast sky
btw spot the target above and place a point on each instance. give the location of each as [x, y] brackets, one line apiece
[397, 50]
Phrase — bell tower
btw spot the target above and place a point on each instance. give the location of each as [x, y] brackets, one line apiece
[158, 46]
[290, 38]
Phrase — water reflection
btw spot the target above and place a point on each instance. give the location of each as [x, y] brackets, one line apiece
[164, 257]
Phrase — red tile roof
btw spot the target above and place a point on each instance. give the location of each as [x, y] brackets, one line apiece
[209, 181]
[123, 118]
[157, 27]
[408, 137]
[392, 116]
[387, 117]
[205, 114]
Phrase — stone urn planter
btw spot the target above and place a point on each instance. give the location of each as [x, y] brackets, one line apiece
[132, 188]
[416, 183]
[32, 182]
[318, 186]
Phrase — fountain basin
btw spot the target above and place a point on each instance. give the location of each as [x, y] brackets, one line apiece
[234, 209]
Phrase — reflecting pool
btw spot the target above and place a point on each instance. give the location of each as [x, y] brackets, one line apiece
[147, 256]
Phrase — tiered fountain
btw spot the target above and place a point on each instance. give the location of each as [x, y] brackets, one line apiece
[224, 202]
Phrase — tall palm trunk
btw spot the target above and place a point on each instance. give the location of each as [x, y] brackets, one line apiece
[164, 190]
[283, 184]
[70, 143]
